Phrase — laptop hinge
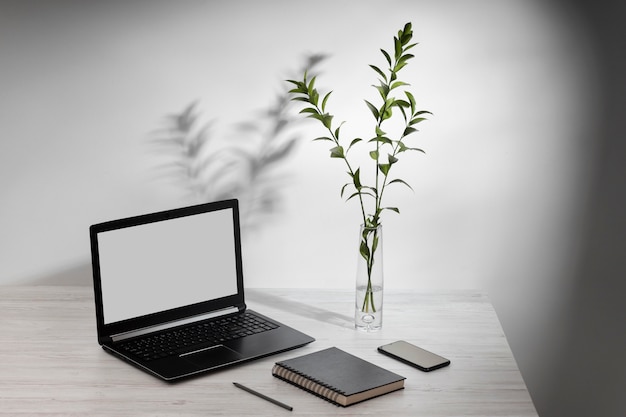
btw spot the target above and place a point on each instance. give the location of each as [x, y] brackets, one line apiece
[172, 324]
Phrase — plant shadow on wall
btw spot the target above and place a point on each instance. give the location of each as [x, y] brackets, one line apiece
[245, 165]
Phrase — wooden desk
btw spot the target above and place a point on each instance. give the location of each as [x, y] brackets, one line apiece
[51, 364]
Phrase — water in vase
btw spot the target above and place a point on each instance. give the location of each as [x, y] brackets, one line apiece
[368, 308]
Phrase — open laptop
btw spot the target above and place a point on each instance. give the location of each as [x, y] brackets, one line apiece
[169, 293]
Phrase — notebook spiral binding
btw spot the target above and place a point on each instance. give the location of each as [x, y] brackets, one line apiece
[307, 383]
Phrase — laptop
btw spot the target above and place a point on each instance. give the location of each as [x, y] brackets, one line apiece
[169, 293]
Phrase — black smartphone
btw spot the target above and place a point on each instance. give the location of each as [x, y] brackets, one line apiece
[414, 356]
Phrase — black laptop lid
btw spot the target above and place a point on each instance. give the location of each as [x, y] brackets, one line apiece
[166, 266]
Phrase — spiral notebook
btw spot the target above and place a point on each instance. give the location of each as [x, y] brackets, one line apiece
[338, 377]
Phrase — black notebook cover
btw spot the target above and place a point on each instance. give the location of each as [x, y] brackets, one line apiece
[338, 376]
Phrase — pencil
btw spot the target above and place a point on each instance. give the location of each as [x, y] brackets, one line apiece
[265, 397]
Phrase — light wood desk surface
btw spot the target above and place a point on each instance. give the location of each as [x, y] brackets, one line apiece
[51, 364]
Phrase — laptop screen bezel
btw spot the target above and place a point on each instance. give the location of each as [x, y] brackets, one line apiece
[106, 331]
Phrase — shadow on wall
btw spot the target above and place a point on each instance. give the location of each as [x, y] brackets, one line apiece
[245, 166]
[589, 379]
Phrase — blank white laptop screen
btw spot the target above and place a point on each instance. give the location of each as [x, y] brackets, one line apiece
[163, 265]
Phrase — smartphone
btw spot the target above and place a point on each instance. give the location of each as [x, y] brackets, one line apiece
[414, 356]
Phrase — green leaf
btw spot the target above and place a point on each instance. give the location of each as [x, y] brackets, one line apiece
[314, 97]
[399, 66]
[392, 159]
[337, 152]
[408, 28]
[337, 131]
[408, 131]
[343, 189]
[309, 110]
[387, 108]
[374, 155]
[311, 85]
[379, 132]
[404, 58]
[356, 179]
[381, 139]
[383, 90]
[366, 187]
[323, 138]
[402, 103]
[392, 209]
[405, 37]
[354, 142]
[325, 100]
[403, 112]
[371, 223]
[364, 251]
[402, 147]
[398, 47]
[397, 84]
[387, 57]
[359, 193]
[416, 121]
[407, 47]
[384, 168]
[327, 120]
[411, 100]
[378, 70]
[412, 149]
[399, 181]
[300, 87]
[373, 109]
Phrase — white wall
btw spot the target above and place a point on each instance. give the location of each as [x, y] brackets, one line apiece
[85, 85]
[498, 197]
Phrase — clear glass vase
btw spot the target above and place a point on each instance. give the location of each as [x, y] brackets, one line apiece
[368, 315]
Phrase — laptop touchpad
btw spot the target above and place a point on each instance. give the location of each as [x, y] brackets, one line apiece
[215, 356]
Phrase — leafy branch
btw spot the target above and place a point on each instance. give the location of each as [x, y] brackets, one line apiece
[394, 99]
[387, 151]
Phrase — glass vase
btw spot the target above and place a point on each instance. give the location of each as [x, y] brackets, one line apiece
[368, 315]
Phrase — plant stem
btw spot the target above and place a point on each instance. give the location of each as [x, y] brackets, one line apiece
[372, 245]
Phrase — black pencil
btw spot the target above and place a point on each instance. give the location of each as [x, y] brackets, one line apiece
[265, 397]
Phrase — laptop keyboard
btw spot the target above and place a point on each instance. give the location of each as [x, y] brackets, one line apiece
[198, 336]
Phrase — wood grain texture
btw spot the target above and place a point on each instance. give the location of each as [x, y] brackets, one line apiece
[51, 364]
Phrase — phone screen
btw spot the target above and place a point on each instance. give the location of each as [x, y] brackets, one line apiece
[413, 355]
